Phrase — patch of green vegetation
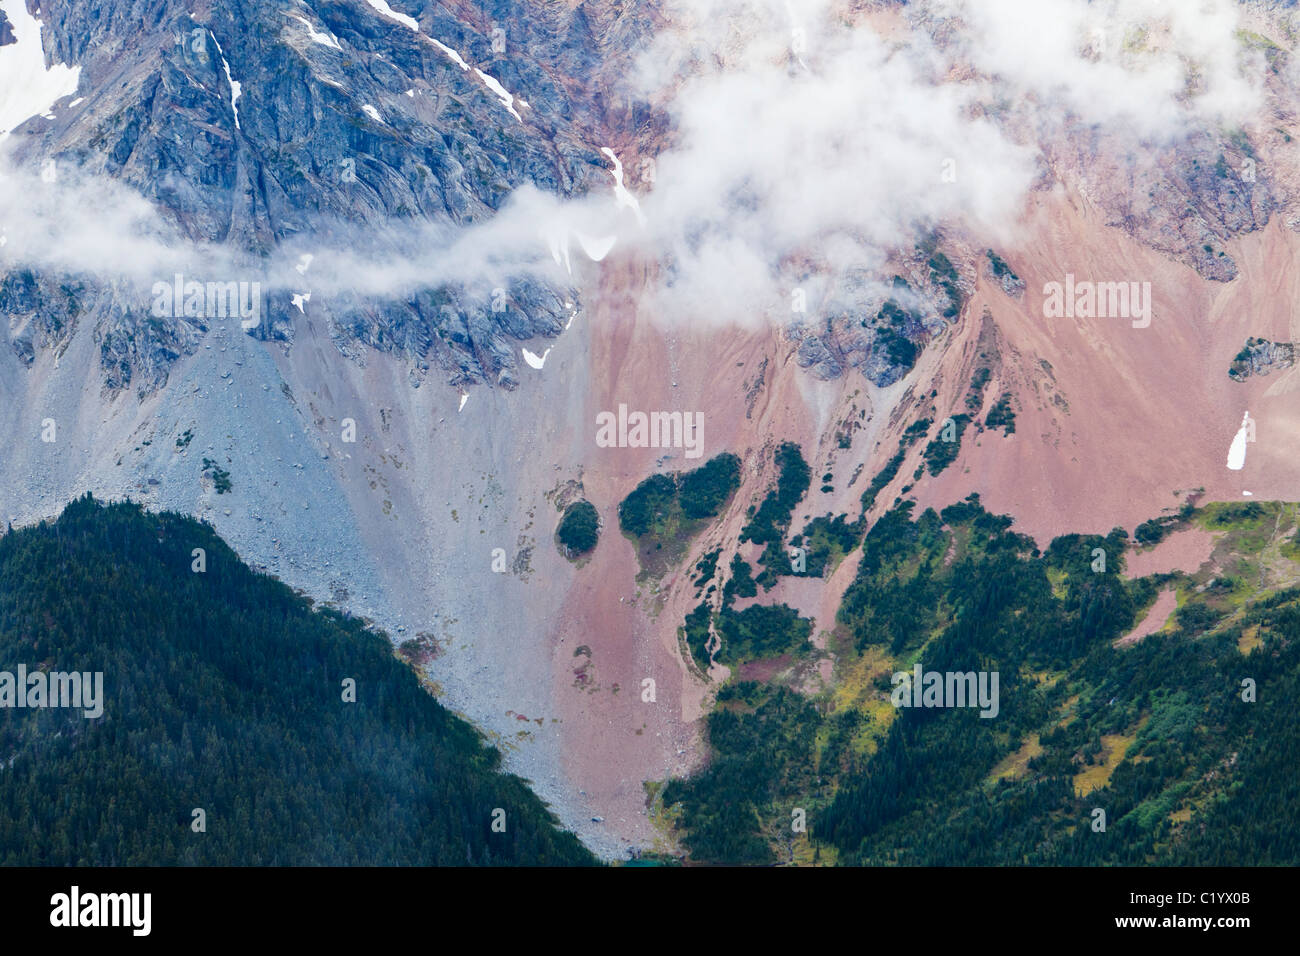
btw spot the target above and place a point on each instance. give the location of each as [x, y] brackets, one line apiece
[184, 440]
[664, 511]
[222, 690]
[1002, 415]
[914, 431]
[741, 583]
[1151, 813]
[696, 634]
[1153, 531]
[1156, 732]
[1000, 267]
[943, 450]
[887, 474]
[882, 478]
[892, 325]
[579, 529]
[793, 477]
[826, 541]
[943, 275]
[707, 566]
[975, 395]
[901, 350]
[704, 491]
[1248, 530]
[758, 737]
[1225, 514]
[1173, 717]
[760, 631]
[220, 477]
[770, 522]
[649, 507]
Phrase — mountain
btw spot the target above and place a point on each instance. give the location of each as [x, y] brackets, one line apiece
[1041, 255]
[258, 127]
[296, 731]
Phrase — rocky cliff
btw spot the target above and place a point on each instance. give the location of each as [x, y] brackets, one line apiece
[462, 219]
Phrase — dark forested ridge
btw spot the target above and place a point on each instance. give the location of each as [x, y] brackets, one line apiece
[224, 690]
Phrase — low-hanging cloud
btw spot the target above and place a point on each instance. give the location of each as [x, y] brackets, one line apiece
[807, 138]
[816, 130]
[803, 138]
[68, 223]
[1157, 67]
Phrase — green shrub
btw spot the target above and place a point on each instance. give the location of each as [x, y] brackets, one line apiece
[1002, 415]
[705, 490]
[939, 454]
[647, 507]
[579, 528]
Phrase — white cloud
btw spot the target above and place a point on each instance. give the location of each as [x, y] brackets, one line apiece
[1113, 61]
[800, 137]
[806, 129]
[806, 138]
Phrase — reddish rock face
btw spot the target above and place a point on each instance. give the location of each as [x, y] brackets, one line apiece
[395, 451]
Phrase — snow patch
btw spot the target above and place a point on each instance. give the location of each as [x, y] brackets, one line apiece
[536, 361]
[557, 239]
[1237, 451]
[505, 97]
[301, 299]
[324, 39]
[27, 88]
[464, 397]
[392, 14]
[236, 88]
[598, 248]
[371, 112]
[455, 57]
[621, 192]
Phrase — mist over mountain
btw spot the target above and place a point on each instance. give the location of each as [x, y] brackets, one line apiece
[357, 283]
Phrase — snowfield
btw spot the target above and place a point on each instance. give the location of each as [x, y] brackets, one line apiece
[27, 87]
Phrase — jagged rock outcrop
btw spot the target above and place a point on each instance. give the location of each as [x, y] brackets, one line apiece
[879, 329]
[253, 126]
[1259, 357]
[1000, 272]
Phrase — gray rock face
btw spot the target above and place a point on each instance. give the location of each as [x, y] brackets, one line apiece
[1259, 357]
[1000, 272]
[252, 126]
[878, 330]
[1187, 201]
